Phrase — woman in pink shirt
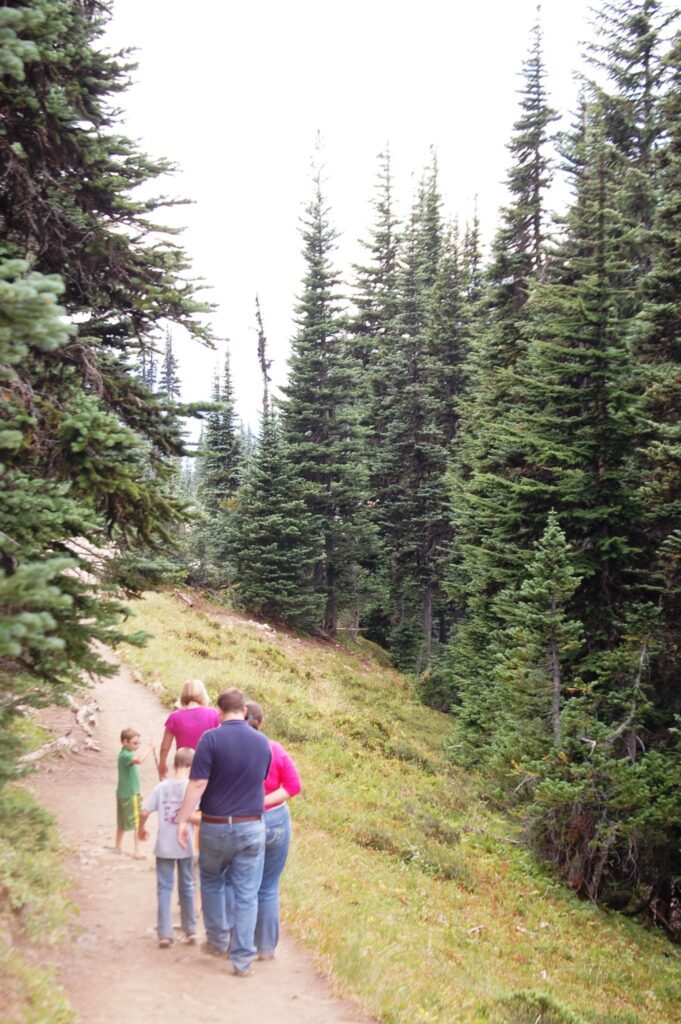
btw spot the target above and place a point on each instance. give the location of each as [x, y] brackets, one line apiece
[282, 782]
[187, 725]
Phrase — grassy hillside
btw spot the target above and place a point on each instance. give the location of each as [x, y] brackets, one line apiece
[413, 895]
[33, 908]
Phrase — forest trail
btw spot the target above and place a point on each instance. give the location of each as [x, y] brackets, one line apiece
[111, 967]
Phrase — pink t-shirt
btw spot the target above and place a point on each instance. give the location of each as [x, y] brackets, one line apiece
[188, 725]
[283, 772]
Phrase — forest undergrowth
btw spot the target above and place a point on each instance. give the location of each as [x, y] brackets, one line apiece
[413, 893]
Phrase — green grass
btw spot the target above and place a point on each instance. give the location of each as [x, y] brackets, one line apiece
[413, 895]
[33, 910]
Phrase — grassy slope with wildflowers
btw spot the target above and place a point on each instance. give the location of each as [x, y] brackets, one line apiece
[415, 897]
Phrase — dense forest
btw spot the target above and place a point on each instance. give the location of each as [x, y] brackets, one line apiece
[475, 460]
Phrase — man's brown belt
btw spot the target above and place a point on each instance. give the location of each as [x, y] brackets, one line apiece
[232, 819]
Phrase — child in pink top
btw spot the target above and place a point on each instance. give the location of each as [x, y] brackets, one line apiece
[187, 725]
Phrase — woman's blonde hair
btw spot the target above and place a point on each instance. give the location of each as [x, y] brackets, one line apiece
[194, 690]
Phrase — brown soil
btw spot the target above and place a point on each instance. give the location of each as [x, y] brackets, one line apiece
[111, 967]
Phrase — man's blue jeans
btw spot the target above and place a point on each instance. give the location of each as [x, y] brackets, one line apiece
[231, 860]
[165, 872]
[278, 826]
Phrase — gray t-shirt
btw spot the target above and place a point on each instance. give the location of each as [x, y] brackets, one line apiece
[167, 799]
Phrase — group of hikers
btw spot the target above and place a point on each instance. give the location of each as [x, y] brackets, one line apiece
[229, 791]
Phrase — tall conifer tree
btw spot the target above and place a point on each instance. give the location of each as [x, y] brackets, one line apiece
[168, 377]
[540, 641]
[628, 56]
[275, 542]
[221, 454]
[409, 466]
[319, 419]
[479, 566]
[87, 449]
[657, 345]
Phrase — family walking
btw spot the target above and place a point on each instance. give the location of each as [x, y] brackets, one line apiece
[234, 782]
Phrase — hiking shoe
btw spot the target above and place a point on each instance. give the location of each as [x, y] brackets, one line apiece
[246, 972]
[165, 943]
[210, 950]
[190, 940]
[265, 956]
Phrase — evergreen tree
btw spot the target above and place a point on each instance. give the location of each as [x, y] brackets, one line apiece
[374, 338]
[88, 450]
[519, 250]
[221, 453]
[265, 363]
[540, 640]
[319, 420]
[409, 466]
[479, 566]
[628, 57]
[575, 412]
[147, 368]
[606, 810]
[657, 345]
[375, 294]
[275, 543]
[168, 379]
[274, 540]
[49, 611]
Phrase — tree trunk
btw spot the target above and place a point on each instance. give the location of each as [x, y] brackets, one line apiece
[426, 627]
[555, 695]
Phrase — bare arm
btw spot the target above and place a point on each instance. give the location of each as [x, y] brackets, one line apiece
[141, 830]
[277, 796]
[166, 744]
[288, 779]
[144, 756]
[193, 794]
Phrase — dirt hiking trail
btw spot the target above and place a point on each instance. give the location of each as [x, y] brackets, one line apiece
[111, 967]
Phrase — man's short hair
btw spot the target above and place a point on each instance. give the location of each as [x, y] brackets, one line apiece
[128, 734]
[232, 700]
[184, 757]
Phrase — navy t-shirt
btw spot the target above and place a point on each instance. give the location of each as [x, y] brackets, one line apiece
[235, 759]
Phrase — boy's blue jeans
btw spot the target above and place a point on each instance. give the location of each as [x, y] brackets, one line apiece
[165, 872]
[230, 865]
[278, 825]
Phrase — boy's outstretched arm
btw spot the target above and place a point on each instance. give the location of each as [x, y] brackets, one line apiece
[145, 755]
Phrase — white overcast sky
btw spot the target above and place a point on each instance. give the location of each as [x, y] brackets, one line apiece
[235, 93]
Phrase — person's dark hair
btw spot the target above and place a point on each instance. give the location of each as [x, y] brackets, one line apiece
[255, 714]
[184, 757]
[232, 700]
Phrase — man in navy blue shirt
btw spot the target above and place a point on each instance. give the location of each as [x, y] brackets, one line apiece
[227, 775]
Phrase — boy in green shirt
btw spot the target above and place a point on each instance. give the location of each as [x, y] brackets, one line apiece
[128, 796]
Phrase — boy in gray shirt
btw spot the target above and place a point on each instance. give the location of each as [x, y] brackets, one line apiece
[167, 799]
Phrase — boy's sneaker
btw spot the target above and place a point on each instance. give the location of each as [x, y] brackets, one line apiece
[245, 973]
[190, 940]
[165, 943]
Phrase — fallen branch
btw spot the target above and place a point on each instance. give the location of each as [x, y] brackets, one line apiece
[62, 745]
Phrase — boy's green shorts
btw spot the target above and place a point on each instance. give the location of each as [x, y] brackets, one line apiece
[128, 812]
